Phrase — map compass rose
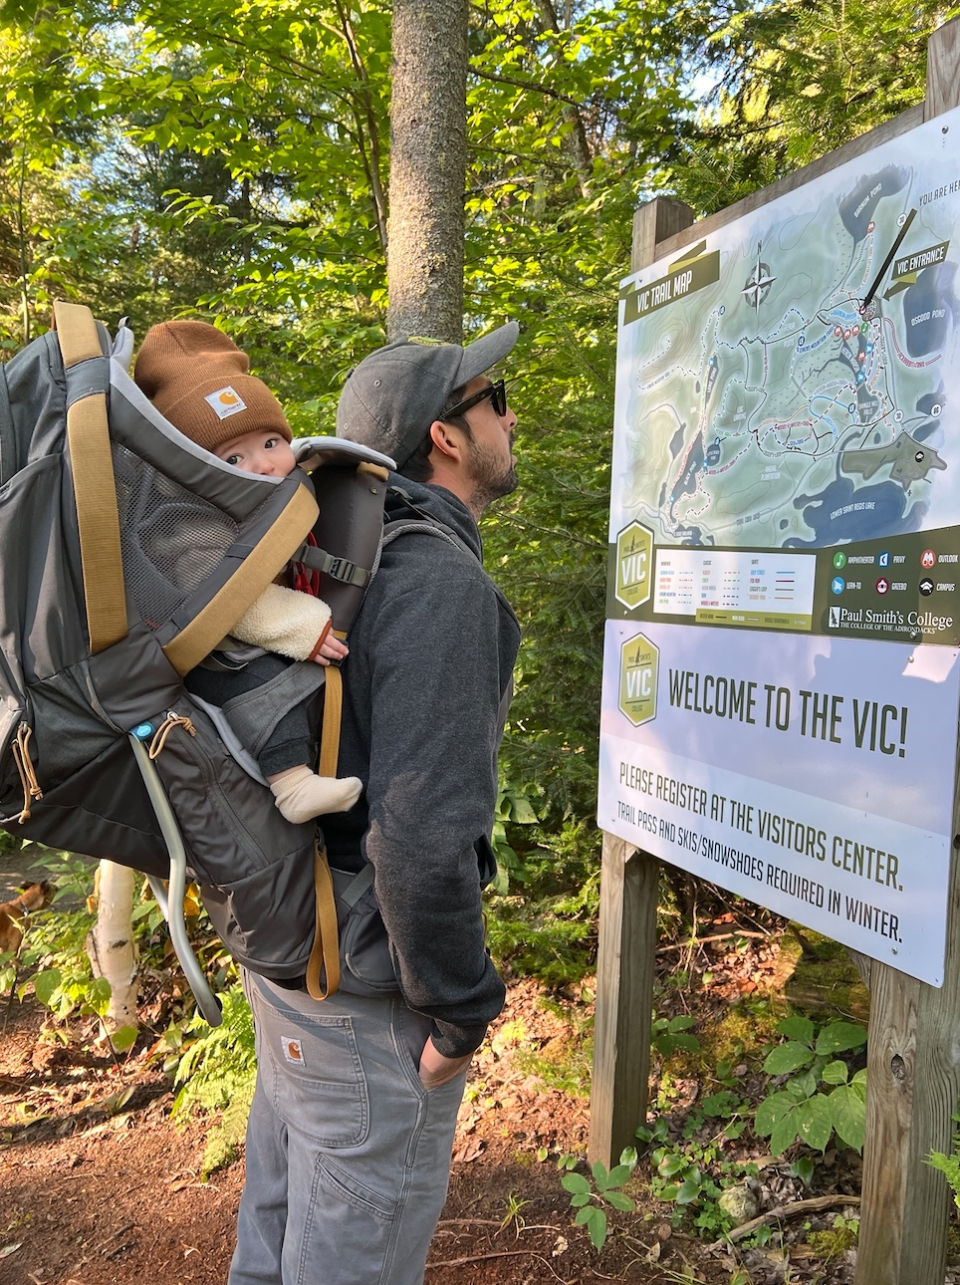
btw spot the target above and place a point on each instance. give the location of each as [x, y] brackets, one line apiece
[759, 282]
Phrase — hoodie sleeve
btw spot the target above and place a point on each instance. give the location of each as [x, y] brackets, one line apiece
[284, 620]
[432, 788]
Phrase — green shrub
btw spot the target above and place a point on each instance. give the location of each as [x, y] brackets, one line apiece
[822, 1098]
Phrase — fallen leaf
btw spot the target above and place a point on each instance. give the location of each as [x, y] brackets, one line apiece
[7, 1250]
[469, 1151]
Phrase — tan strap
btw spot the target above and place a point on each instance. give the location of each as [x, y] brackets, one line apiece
[94, 489]
[271, 553]
[326, 941]
[330, 733]
[77, 332]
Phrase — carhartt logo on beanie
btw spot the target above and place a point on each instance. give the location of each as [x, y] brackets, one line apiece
[198, 379]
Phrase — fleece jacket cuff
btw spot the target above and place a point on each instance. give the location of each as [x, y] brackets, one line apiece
[456, 1041]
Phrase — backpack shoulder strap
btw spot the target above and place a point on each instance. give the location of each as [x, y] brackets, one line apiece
[94, 488]
[423, 522]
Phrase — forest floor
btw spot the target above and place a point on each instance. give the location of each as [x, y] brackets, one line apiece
[98, 1185]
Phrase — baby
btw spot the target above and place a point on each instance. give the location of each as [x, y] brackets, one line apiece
[199, 380]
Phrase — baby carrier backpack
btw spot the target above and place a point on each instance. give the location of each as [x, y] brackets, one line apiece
[128, 554]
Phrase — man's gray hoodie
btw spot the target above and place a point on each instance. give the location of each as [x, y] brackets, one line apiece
[431, 658]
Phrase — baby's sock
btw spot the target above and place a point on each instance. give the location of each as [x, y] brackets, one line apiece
[302, 795]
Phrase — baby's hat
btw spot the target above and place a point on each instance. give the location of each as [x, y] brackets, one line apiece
[199, 380]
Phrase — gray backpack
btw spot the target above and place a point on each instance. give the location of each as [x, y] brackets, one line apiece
[128, 554]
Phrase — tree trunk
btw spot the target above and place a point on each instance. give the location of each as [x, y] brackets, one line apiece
[110, 944]
[427, 169]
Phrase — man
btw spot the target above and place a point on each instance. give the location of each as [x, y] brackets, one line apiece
[351, 1130]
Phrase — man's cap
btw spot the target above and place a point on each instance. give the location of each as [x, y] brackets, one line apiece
[199, 380]
[394, 395]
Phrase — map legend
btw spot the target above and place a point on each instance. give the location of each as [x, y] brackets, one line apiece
[728, 587]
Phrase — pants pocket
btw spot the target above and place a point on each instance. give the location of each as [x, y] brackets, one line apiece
[344, 1211]
[313, 1074]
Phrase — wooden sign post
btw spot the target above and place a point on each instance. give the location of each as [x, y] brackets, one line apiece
[914, 1035]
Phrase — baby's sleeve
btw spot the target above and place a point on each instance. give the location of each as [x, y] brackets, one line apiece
[286, 621]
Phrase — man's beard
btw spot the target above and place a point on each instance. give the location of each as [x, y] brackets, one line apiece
[491, 478]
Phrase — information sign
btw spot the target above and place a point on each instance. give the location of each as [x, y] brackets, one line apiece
[781, 677]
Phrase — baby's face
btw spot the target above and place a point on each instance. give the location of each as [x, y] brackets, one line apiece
[268, 454]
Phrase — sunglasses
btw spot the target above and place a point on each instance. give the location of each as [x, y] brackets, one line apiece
[496, 392]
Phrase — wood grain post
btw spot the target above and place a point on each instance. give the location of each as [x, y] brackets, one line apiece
[913, 1058]
[625, 972]
[629, 882]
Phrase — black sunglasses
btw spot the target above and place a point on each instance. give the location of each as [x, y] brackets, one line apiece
[496, 392]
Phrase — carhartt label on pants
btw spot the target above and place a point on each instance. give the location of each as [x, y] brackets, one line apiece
[292, 1049]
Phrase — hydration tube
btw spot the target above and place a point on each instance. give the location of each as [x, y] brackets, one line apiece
[171, 901]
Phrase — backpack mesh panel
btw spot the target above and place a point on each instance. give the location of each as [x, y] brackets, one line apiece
[171, 539]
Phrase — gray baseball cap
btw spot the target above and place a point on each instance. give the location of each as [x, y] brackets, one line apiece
[394, 395]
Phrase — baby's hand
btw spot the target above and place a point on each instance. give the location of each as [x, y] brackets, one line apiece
[331, 649]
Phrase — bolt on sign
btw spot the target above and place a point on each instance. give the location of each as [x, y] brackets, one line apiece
[638, 679]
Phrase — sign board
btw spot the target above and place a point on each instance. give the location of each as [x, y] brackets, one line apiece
[781, 678]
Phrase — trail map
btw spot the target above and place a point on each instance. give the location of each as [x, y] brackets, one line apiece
[791, 381]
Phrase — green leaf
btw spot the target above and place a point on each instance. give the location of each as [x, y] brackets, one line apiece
[839, 1036]
[689, 1190]
[580, 1199]
[98, 995]
[46, 984]
[835, 1073]
[574, 1182]
[620, 1201]
[815, 1122]
[522, 812]
[786, 1058]
[599, 1172]
[682, 1022]
[597, 1228]
[805, 1085]
[670, 1043]
[797, 1028]
[672, 1164]
[124, 1038]
[619, 1175]
[717, 1104]
[785, 1130]
[583, 1216]
[770, 1110]
[848, 1109]
[803, 1169]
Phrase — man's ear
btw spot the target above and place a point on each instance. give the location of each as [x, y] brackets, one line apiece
[448, 440]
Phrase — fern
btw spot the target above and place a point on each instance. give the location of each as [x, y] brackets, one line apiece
[949, 1166]
[217, 1073]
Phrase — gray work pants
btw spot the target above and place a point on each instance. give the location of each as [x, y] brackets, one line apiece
[347, 1155]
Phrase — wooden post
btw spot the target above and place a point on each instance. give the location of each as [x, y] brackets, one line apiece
[629, 880]
[625, 971]
[913, 1080]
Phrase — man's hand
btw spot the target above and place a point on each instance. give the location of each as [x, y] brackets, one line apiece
[435, 1069]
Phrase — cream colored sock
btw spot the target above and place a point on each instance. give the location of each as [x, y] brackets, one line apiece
[302, 795]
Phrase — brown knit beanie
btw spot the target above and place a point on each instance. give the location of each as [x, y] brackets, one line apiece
[198, 379]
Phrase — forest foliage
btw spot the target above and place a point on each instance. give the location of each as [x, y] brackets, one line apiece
[230, 161]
